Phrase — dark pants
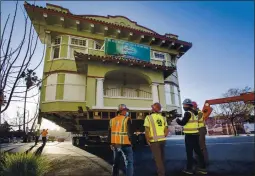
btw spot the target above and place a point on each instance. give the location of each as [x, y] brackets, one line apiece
[44, 139]
[36, 139]
[127, 153]
[192, 144]
[202, 134]
[158, 151]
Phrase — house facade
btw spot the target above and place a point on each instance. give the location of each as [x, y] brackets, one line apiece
[94, 63]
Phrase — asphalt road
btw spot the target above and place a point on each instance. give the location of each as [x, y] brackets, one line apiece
[231, 156]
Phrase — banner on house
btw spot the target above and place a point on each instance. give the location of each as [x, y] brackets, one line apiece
[127, 49]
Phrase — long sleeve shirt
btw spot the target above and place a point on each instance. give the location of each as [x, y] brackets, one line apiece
[186, 118]
[129, 131]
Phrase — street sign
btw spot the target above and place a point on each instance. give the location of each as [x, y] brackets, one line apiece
[128, 49]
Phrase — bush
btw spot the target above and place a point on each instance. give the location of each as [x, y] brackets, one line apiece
[25, 165]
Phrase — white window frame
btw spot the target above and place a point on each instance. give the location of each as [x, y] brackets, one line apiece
[78, 38]
[71, 46]
[176, 94]
[53, 46]
[158, 59]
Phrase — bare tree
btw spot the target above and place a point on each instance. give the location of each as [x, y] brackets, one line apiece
[234, 111]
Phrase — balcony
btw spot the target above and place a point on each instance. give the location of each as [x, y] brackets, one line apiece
[127, 93]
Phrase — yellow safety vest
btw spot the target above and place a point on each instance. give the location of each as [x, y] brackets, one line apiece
[192, 125]
[157, 127]
[201, 122]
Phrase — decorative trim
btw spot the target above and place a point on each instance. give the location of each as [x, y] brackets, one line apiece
[68, 101]
[94, 76]
[130, 108]
[132, 98]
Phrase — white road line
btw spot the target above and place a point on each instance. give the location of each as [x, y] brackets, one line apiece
[219, 143]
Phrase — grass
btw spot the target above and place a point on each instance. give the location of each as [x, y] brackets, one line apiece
[21, 164]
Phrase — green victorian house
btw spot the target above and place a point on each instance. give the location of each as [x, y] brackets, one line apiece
[94, 63]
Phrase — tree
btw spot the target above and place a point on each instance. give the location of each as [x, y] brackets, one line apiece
[235, 111]
[14, 60]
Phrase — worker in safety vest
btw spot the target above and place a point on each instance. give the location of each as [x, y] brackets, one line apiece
[44, 136]
[37, 135]
[156, 130]
[120, 136]
[190, 129]
[202, 131]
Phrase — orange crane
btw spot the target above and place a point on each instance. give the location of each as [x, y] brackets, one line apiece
[245, 97]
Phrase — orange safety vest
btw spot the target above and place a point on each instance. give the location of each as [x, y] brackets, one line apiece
[44, 133]
[119, 131]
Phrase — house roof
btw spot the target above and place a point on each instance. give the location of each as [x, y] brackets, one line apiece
[167, 70]
[92, 20]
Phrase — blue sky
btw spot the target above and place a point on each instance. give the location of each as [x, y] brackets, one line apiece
[222, 34]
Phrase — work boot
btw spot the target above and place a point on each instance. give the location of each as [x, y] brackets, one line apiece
[201, 171]
[188, 171]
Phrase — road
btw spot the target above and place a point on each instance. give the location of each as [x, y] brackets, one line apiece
[232, 156]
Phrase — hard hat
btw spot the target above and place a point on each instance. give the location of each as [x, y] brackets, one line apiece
[187, 102]
[156, 107]
[122, 107]
[194, 104]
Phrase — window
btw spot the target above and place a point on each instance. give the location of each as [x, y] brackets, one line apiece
[176, 96]
[74, 87]
[168, 94]
[78, 42]
[51, 87]
[56, 52]
[97, 46]
[56, 47]
[158, 55]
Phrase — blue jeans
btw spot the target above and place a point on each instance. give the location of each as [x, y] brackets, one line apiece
[127, 154]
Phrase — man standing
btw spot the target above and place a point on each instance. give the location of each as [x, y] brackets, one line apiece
[190, 129]
[156, 130]
[44, 136]
[202, 131]
[120, 135]
[37, 135]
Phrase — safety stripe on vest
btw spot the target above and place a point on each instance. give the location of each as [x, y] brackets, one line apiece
[155, 137]
[189, 129]
[120, 133]
[122, 129]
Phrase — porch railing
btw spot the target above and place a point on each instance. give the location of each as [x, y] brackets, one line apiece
[127, 92]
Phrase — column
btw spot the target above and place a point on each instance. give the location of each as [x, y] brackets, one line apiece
[100, 93]
[154, 90]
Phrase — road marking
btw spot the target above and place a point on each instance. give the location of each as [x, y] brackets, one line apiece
[234, 143]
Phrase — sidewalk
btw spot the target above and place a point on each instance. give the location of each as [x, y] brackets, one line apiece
[68, 160]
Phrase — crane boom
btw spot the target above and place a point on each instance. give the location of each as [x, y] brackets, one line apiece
[245, 97]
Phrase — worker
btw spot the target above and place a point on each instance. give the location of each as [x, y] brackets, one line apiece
[37, 135]
[156, 130]
[120, 137]
[202, 131]
[44, 136]
[190, 129]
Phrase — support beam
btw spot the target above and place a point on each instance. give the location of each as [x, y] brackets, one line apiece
[78, 25]
[152, 40]
[141, 38]
[45, 16]
[106, 31]
[92, 28]
[162, 42]
[118, 33]
[130, 36]
[171, 45]
[181, 46]
[154, 90]
[100, 93]
[62, 20]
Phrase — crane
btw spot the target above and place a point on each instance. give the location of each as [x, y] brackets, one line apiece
[247, 98]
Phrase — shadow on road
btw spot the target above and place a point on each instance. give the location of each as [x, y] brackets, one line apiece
[39, 150]
[30, 149]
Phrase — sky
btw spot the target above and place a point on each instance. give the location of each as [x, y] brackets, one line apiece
[222, 34]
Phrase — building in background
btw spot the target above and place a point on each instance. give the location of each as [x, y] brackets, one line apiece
[94, 63]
